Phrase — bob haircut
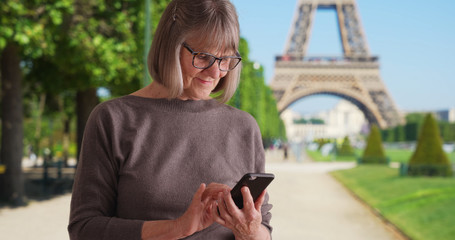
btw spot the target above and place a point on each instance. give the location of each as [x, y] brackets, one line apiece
[213, 22]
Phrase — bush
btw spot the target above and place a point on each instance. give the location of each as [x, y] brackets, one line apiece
[374, 151]
[346, 149]
[321, 142]
[429, 159]
[429, 170]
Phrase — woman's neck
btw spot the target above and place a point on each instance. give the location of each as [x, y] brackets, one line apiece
[153, 90]
[157, 90]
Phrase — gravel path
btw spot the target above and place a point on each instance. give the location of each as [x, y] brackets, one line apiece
[45, 220]
[309, 204]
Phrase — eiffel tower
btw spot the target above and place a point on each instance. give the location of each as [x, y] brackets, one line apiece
[354, 76]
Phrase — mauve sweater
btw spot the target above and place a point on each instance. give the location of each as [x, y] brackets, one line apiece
[143, 159]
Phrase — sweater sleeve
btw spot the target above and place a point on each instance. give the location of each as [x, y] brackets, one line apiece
[260, 167]
[93, 203]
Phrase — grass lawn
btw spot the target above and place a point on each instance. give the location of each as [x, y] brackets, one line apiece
[395, 155]
[423, 208]
[317, 156]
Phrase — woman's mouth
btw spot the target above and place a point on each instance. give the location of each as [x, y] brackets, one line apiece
[204, 81]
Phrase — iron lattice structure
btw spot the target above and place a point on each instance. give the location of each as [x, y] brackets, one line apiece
[355, 76]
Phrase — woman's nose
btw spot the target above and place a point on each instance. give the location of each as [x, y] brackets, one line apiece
[214, 70]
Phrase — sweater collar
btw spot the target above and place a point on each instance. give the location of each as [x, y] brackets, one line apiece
[177, 105]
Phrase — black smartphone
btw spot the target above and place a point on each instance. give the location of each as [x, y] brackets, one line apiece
[256, 182]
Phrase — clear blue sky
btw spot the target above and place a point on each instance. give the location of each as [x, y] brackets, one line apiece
[414, 39]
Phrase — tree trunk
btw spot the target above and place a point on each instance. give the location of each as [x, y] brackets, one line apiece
[37, 142]
[12, 183]
[66, 140]
[86, 100]
[66, 129]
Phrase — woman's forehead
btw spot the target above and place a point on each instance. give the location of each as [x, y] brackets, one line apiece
[202, 43]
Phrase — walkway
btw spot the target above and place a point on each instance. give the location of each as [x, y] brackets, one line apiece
[308, 204]
[46, 220]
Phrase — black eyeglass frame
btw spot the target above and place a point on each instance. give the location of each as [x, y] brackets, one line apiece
[194, 53]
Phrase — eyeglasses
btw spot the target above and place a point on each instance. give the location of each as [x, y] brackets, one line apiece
[205, 60]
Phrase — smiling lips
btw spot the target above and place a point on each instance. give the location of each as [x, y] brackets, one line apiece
[204, 82]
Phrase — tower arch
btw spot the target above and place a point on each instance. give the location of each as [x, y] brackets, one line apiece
[354, 76]
[370, 116]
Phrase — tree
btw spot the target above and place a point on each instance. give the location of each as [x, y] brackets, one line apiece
[101, 44]
[374, 151]
[400, 135]
[413, 124]
[67, 48]
[254, 97]
[12, 131]
[22, 36]
[429, 158]
[99, 37]
[447, 131]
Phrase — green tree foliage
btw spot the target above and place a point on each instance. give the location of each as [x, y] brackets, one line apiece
[66, 50]
[395, 134]
[27, 31]
[346, 148]
[415, 118]
[447, 131]
[315, 121]
[31, 25]
[97, 46]
[256, 98]
[400, 134]
[374, 151]
[429, 158]
[407, 132]
[101, 44]
[410, 131]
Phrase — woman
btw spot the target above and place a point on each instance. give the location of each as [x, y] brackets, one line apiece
[146, 156]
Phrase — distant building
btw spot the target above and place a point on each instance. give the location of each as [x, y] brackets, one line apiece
[345, 119]
[301, 132]
[446, 115]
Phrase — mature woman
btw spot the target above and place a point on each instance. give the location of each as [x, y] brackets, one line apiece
[146, 157]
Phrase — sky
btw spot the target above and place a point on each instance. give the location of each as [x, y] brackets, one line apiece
[414, 39]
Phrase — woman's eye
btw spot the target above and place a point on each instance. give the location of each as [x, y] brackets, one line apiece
[204, 57]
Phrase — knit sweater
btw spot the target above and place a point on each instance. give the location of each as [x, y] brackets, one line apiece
[143, 159]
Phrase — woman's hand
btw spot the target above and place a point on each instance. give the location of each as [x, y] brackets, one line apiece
[197, 217]
[213, 189]
[246, 223]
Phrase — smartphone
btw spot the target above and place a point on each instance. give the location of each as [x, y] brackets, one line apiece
[256, 182]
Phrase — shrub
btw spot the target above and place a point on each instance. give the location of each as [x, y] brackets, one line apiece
[346, 148]
[374, 151]
[321, 142]
[429, 158]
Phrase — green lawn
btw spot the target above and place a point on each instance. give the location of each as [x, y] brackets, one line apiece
[395, 155]
[423, 208]
[317, 156]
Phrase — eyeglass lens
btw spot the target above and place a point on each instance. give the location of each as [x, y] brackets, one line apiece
[203, 61]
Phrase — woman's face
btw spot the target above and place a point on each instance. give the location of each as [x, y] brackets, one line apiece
[199, 83]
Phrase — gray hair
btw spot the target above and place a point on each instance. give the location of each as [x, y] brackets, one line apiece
[215, 22]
